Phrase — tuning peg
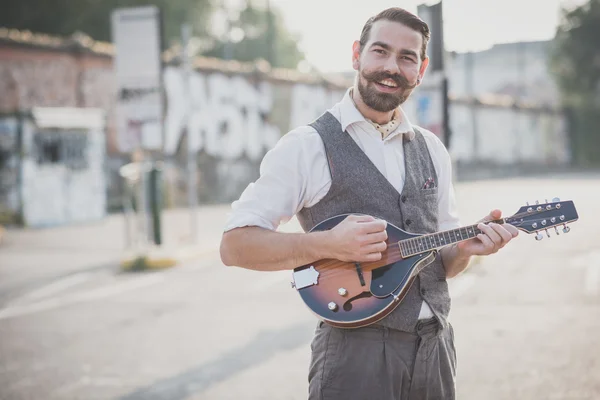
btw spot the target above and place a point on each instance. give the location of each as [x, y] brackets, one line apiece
[547, 234]
[539, 236]
[566, 229]
[555, 200]
[527, 203]
[556, 229]
[546, 200]
[537, 202]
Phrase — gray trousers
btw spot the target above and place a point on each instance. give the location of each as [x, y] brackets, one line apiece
[378, 363]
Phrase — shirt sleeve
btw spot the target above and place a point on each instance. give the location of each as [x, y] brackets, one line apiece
[281, 190]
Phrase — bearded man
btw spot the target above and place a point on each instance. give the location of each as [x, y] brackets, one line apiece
[364, 157]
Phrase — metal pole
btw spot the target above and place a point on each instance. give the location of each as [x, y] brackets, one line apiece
[470, 91]
[186, 33]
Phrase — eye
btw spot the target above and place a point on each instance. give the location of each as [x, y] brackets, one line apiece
[379, 51]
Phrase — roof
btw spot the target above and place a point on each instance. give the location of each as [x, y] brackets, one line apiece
[83, 43]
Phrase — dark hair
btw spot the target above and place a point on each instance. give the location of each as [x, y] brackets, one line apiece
[402, 16]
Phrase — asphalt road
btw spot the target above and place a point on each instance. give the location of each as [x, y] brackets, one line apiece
[73, 326]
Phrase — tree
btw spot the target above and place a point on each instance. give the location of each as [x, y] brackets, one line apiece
[258, 34]
[252, 34]
[92, 17]
[575, 63]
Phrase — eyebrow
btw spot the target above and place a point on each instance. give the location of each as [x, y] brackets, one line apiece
[389, 48]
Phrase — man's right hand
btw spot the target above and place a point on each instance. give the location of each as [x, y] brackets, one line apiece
[358, 238]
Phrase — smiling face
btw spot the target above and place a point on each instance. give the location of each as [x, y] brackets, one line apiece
[389, 65]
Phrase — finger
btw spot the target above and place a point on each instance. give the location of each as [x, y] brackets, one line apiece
[375, 247]
[370, 257]
[376, 237]
[378, 225]
[491, 233]
[504, 234]
[487, 242]
[360, 218]
[513, 231]
[494, 214]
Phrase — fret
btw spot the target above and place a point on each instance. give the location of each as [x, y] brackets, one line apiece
[457, 235]
[432, 241]
[470, 232]
[420, 244]
[466, 234]
[427, 243]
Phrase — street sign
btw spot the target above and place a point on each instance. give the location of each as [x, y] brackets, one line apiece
[136, 34]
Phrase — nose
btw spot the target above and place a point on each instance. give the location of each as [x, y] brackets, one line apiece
[391, 66]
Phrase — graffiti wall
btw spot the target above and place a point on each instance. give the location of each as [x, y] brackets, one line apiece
[229, 115]
[231, 121]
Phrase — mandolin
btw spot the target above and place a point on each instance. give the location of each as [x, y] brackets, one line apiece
[353, 295]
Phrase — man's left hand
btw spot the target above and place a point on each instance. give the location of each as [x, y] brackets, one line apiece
[493, 237]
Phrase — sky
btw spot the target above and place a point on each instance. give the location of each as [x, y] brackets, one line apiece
[328, 27]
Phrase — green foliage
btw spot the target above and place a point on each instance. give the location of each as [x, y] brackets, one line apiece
[264, 37]
[92, 17]
[575, 63]
[261, 32]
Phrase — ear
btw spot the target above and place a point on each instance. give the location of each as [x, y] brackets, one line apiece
[423, 68]
[356, 55]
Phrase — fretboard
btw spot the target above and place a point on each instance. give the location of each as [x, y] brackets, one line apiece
[424, 243]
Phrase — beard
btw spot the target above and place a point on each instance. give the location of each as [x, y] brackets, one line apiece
[383, 102]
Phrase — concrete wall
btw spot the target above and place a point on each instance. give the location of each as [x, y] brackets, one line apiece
[51, 176]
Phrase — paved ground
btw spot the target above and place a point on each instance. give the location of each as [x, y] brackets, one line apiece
[73, 326]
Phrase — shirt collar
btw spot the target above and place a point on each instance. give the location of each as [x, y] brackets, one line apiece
[349, 115]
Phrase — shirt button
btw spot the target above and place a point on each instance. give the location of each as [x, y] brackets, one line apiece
[408, 222]
[403, 199]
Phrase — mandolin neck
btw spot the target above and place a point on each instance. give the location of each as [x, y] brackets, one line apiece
[433, 241]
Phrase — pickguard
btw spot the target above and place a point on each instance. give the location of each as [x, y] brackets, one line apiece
[386, 280]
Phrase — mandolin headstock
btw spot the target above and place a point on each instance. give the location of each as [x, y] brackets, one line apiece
[541, 216]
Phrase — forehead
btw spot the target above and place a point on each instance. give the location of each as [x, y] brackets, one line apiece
[396, 35]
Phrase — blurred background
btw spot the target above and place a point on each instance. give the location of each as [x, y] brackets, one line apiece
[127, 129]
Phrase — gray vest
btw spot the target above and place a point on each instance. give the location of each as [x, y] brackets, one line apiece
[357, 186]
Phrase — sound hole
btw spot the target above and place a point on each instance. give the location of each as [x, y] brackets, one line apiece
[348, 304]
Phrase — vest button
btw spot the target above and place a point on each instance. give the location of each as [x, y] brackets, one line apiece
[403, 199]
[423, 291]
[408, 222]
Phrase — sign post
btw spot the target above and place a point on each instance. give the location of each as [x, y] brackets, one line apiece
[136, 34]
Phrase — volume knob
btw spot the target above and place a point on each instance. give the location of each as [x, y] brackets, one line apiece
[332, 306]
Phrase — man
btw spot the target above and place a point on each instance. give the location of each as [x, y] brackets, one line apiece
[363, 156]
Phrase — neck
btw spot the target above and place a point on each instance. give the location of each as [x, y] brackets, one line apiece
[421, 244]
[367, 112]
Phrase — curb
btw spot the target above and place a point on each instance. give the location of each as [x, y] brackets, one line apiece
[160, 258]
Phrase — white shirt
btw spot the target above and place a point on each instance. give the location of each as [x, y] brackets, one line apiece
[295, 173]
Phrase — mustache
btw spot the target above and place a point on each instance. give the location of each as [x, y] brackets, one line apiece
[399, 80]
